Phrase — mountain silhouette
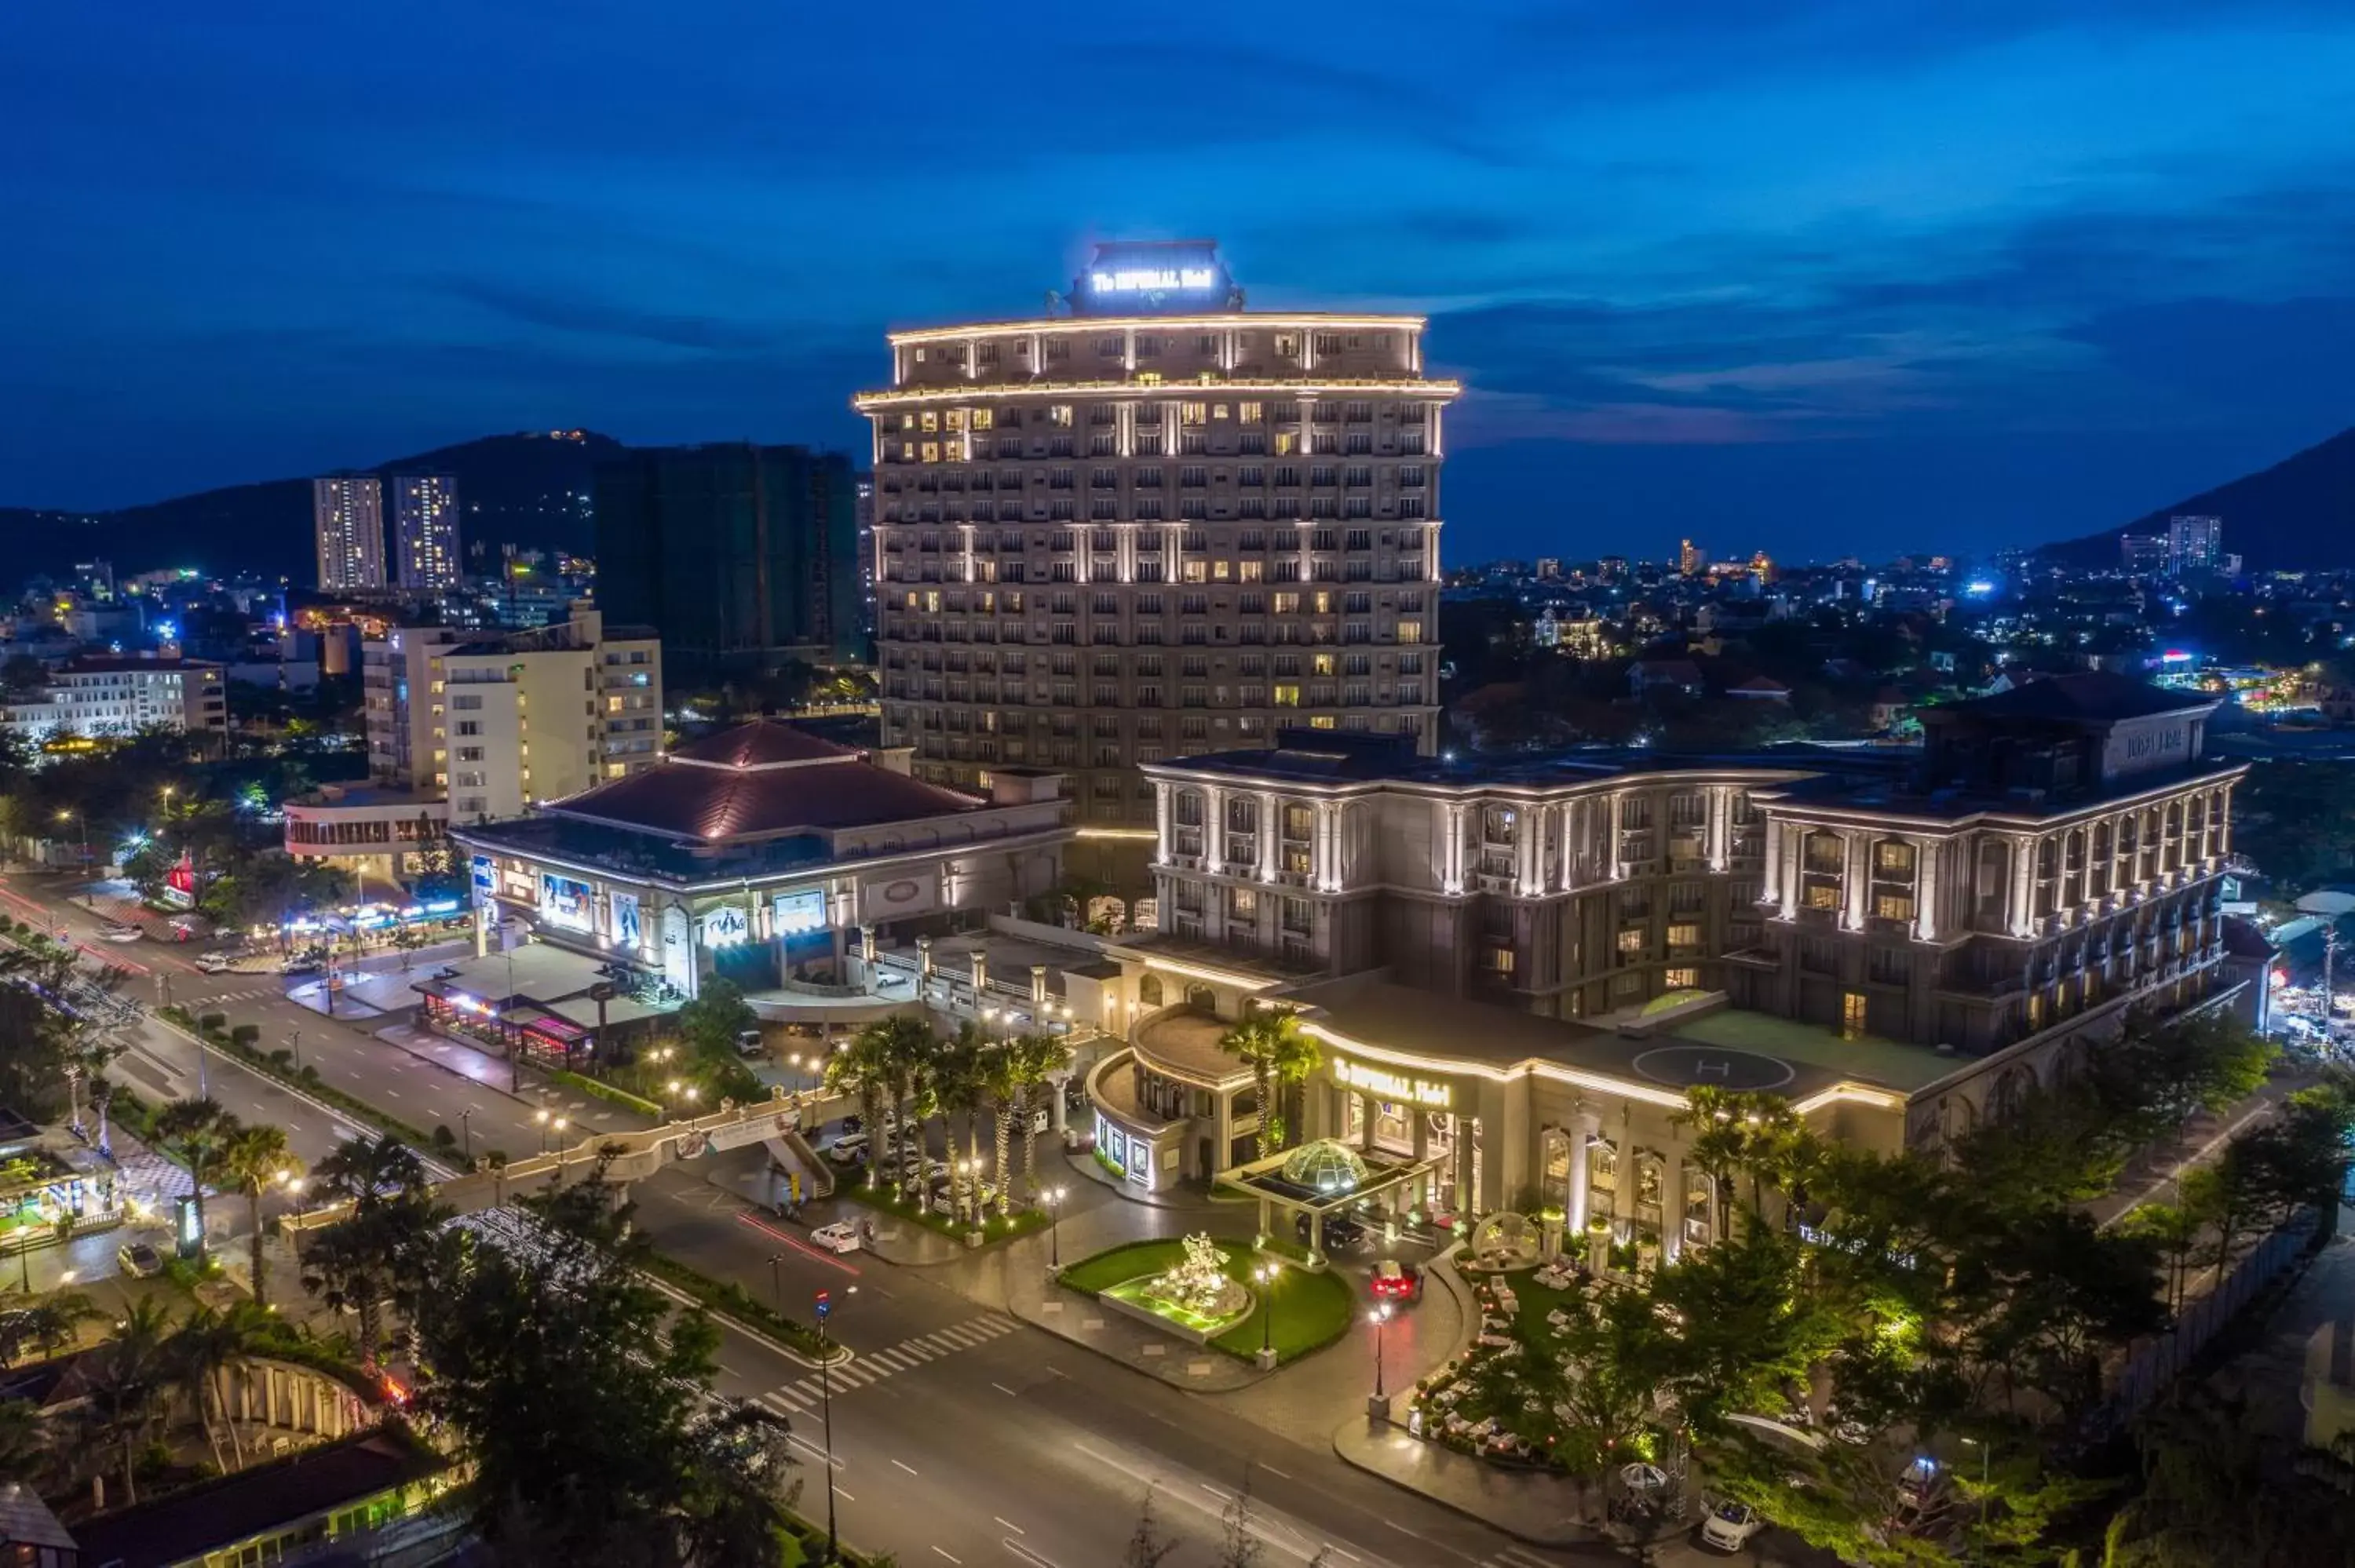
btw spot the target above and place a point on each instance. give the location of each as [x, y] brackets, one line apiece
[2298, 513]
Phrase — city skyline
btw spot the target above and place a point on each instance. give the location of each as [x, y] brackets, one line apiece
[1810, 280]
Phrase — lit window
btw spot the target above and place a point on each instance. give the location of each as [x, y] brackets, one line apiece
[1287, 696]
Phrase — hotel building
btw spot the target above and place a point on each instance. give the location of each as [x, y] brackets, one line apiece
[1152, 524]
[1515, 971]
[426, 541]
[348, 521]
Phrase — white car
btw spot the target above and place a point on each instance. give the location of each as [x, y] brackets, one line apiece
[841, 1237]
[214, 964]
[1730, 1526]
[847, 1150]
[121, 934]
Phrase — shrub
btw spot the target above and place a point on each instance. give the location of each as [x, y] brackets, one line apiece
[210, 1022]
[444, 1138]
[246, 1034]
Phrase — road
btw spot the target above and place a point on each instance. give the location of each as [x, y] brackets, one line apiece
[960, 1435]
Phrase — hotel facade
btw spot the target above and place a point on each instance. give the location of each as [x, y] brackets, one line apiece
[1150, 524]
[1516, 971]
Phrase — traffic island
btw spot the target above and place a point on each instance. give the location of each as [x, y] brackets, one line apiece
[1291, 1314]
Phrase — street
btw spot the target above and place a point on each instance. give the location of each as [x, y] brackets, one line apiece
[960, 1435]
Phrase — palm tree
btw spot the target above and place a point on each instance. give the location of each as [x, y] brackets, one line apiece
[196, 1131]
[1035, 1059]
[55, 1321]
[959, 1087]
[201, 1353]
[125, 1378]
[101, 1097]
[256, 1157]
[913, 1052]
[24, 1443]
[358, 1263]
[1269, 1041]
[1001, 1084]
[369, 1173]
[863, 1067]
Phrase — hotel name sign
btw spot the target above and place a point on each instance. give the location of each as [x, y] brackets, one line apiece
[1390, 1085]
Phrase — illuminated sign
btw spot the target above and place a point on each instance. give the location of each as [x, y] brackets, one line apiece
[725, 926]
[797, 914]
[1390, 1086]
[564, 902]
[484, 878]
[1145, 280]
[627, 932]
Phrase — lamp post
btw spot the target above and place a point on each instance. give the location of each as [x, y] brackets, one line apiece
[1378, 1406]
[1263, 1275]
[1987, 1455]
[826, 1403]
[294, 1045]
[777, 1282]
[466, 1133]
[1055, 1228]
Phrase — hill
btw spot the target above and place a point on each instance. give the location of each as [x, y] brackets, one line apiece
[528, 490]
[2298, 513]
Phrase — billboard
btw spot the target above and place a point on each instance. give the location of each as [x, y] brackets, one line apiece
[627, 933]
[798, 914]
[564, 902]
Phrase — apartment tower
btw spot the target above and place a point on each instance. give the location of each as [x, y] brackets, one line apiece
[426, 551]
[347, 516]
[1151, 524]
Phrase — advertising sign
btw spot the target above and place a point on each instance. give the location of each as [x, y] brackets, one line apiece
[564, 902]
[798, 914]
[725, 926]
[627, 931]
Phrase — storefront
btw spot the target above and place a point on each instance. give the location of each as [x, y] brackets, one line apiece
[539, 1037]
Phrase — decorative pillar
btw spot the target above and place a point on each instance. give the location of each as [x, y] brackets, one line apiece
[1854, 883]
[1927, 889]
[1038, 988]
[1672, 1204]
[923, 963]
[2020, 910]
[1214, 827]
[1161, 824]
[981, 969]
[1618, 818]
[1773, 885]
[1720, 812]
[866, 942]
[1583, 1124]
[1270, 825]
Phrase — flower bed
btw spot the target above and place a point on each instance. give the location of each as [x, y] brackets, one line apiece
[1300, 1312]
[1491, 1402]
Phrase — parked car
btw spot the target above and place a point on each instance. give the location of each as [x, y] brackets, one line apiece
[842, 1237]
[1730, 1526]
[748, 1042]
[296, 969]
[1342, 1234]
[943, 1204]
[849, 1150]
[120, 933]
[139, 1260]
[1394, 1281]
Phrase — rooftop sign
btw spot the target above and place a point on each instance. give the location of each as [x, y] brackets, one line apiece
[1126, 278]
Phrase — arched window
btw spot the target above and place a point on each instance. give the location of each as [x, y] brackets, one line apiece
[1202, 999]
[1148, 991]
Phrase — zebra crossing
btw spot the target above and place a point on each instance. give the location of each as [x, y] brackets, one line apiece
[250, 993]
[1517, 1557]
[874, 1366]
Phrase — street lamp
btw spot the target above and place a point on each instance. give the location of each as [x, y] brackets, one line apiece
[466, 1133]
[777, 1281]
[1380, 1316]
[826, 1401]
[294, 1045]
[1055, 1232]
[1265, 1276]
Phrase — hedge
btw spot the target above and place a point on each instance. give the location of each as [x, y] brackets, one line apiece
[727, 1296]
[308, 1080]
[604, 1091]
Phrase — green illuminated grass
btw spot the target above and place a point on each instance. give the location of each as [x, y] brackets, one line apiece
[1310, 1310]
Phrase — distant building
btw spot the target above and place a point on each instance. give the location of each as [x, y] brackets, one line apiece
[2194, 544]
[1549, 569]
[1692, 559]
[119, 696]
[425, 532]
[348, 514]
[1611, 569]
[2143, 554]
[1665, 677]
[739, 556]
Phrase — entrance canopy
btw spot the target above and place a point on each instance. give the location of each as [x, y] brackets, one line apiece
[1319, 1179]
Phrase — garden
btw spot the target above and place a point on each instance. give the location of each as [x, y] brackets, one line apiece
[1294, 1313]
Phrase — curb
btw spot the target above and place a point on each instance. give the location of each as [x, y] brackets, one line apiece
[842, 1357]
[1252, 1377]
[1584, 1537]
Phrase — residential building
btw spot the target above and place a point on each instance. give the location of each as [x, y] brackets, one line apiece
[103, 696]
[2194, 544]
[427, 550]
[1154, 525]
[1515, 971]
[2143, 554]
[465, 727]
[1692, 559]
[739, 556]
[347, 515]
[763, 849]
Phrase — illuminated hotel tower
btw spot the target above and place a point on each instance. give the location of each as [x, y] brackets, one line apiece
[1150, 524]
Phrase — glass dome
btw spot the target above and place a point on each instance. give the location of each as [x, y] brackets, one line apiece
[1327, 1165]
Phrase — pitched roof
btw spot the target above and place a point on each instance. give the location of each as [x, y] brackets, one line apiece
[758, 780]
[2092, 696]
[764, 743]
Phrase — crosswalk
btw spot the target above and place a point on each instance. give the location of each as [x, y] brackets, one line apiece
[1517, 1557]
[874, 1366]
[250, 993]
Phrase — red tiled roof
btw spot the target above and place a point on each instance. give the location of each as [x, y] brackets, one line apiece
[785, 782]
[763, 744]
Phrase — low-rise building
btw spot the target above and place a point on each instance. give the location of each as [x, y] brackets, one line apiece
[1515, 972]
[763, 850]
[104, 696]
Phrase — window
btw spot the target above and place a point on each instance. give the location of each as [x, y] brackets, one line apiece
[1630, 941]
[1681, 980]
[1893, 906]
[1822, 895]
[1892, 859]
[1852, 1015]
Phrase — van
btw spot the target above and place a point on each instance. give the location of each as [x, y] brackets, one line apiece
[748, 1042]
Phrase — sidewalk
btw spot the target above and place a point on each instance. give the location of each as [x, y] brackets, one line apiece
[1539, 1508]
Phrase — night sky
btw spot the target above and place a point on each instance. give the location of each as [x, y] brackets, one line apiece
[1811, 277]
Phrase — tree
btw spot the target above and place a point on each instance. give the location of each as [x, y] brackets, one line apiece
[125, 1380]
[1042, 1057]
[1269, 1041]
[863, 1067]
[24, 1443]
[710, 1024]
[380, 1252]
[1146, 1546]
[563, 1348]
[196, 1131]
[960, 1088]
[254, 1158]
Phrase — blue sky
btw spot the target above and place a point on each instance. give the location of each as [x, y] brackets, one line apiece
[1815, 277]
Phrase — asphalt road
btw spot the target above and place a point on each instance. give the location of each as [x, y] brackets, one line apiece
[959, 1434]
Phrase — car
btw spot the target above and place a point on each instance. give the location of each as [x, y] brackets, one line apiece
[215, 964]
[295, 969]
[1730, 1526]
[847, 1150]
[943, 1204]
[120, 933]
[1342, 1234]
[1917, 1484]
[748, 1042]
[839, 1237]
[139, 1260]
[1394, 1281]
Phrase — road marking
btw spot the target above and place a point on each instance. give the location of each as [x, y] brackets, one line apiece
[1010, 1524]
[1005, 1390]
[1343, 1552]
[815, 1452]
[1272, 1470]
[1223, 1497]
[910, 1469]
[1515, 1554]
[844, 1495]
[943, 1553]
[1027, 1555]
[1403, 1530]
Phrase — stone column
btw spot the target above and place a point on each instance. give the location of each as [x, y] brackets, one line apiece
[2020, 910]
[866, 942]
[1583, 1125]
[981, 968]
[1927, 887]
[1855, 880]
[1721, 814]
[1161, 824]
[1038, 991]
[1271, 817]
[1214, 828]
[1618, 816]
[1057, 1087]
[923, 964]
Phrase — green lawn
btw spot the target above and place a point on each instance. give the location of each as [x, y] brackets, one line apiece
[852, 1184]
[1311, 1311]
